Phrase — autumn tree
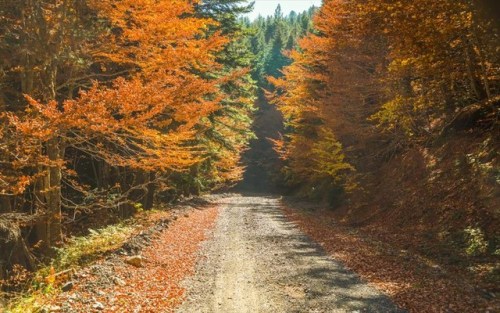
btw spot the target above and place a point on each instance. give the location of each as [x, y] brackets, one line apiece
[325, 96]
[44, 47]
[442, 58]
[143, 121]
[382, 76]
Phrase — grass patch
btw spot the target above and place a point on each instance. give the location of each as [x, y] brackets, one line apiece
[82, 250]
[79, 251]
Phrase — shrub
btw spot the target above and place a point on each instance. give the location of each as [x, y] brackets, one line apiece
[476, 243]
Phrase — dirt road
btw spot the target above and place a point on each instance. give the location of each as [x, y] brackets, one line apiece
[257, 261]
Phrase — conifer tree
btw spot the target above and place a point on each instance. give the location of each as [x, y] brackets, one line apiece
[225, 134]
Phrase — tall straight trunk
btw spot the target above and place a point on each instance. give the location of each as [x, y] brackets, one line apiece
[478, 49]
[470, 73]
[49, 227]
[5, 201]
[45, 39]
[104, 177]
[54, 193]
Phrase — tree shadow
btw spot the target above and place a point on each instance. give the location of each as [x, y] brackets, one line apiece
[322, 281]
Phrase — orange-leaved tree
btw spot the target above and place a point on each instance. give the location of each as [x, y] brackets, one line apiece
[320, 96]
[142, 121]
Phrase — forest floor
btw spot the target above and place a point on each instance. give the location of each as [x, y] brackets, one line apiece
[258, 254]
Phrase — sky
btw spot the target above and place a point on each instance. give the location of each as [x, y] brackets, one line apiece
[267, 7]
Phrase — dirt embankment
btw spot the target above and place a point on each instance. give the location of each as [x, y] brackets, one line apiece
[441, 202]
[144, 275]
[428, 221]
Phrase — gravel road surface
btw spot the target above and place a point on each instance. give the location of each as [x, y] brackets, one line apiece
[258, 261]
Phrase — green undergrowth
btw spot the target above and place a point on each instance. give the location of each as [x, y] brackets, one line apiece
[82, 250]
[77, 252]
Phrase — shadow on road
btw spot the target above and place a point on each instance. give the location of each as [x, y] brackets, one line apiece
[321, 279]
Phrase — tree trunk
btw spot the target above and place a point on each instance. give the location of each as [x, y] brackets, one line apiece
[477, 48]
[54, 194]
[104, 179]
[5, 204]
[470, 74]
[14, 248]
[49, 228]
[148, 200]
[145, 189]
